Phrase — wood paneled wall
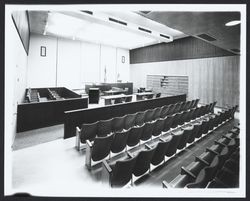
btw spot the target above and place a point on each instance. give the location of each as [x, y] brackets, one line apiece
[185, 48]
[210, 79]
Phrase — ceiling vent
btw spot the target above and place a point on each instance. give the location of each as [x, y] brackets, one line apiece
[145, 30]
[235, 50]
[117, 21]
[88, 12]
[164, 36]
[206, 37]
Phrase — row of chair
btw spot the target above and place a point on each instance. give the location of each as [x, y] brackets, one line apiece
[205, 167]
[117, 124]
[115, 143]
[228, 176]
[118, 141]
[156, 153]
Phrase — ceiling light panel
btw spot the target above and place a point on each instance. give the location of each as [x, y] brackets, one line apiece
[64, 25]
[233, 23]
[111, 36]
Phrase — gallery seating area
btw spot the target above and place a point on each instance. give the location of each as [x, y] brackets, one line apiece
[174, 142]
[133, 100]
[175, 125]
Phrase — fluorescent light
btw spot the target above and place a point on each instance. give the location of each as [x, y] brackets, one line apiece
[233, 23]
[111, 36]
[64, 25]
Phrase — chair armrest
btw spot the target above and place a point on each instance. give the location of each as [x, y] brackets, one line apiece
[89, 144]
[224, 135]
[212, 151]
[161, 139]
[147, 146]
[233, 132]
[198, 158]
[219, 143]
[130, 155]
[78, 140]
[89, 147]
[186, 171]
[106, 173]
[165, 184]
[106, 166]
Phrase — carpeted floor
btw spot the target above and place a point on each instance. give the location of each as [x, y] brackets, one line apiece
[37, 136]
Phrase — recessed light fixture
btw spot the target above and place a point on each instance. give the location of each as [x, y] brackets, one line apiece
[232, 23]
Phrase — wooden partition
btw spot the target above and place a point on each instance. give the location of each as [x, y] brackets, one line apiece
[42, 114]
[77, 117]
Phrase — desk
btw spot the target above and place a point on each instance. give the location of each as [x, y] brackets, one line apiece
[113, 92]
[108, 99]
[142, 95]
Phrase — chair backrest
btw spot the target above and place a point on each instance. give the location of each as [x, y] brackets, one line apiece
[192, 104]
[134, 136]
[211, 109]
[190, 115]
[88, 131]
[139, 120]
[129, 121]
[147, 131]
[177, 107]
[139, 97]
[164, 111]
[122, 172]
[101, 147]
[196, 113]
[205, 126]
[149, 114]
[171, 109]
[188, 104]
[119, 142]
[104, 127]
[185, 116]
[197, 129]
[160, 150]
[168, 123]
[118, 100]
[182, 106]
[118, 124]
[128, 99]
[174, 143]
[142, 163]
[176, 120]
[150, 96]
[186, 134]
[157, 113]
[158, 127]
[158, 95]
[196, 102]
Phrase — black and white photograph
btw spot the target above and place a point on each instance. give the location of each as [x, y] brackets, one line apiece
[125, 100]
